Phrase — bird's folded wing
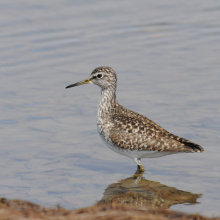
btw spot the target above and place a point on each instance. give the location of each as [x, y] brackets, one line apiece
[132, 141]
[151, 141]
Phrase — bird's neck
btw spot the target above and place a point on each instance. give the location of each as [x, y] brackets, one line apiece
[106, 106]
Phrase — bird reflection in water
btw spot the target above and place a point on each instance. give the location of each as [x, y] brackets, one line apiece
[138, 191]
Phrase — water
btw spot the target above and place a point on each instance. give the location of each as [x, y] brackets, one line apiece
[166, 54]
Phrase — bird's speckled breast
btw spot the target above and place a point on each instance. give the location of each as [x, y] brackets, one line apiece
[104, 122]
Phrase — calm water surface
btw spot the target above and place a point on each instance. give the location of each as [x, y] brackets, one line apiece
[166, 55]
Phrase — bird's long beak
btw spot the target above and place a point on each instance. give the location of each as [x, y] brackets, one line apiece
[86, 81]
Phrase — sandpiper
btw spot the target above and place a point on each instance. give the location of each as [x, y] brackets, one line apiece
[127, 132]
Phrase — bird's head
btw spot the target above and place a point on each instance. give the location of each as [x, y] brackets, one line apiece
[103, 77]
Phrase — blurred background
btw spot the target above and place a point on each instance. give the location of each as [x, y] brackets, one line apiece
[166, 55]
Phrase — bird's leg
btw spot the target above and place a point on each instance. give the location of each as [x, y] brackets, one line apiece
[139, 165]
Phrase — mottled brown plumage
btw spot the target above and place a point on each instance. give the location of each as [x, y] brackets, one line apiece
[136, 132]
[127, 132]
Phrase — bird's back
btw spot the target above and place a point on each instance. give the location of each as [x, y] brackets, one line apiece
[135, 132]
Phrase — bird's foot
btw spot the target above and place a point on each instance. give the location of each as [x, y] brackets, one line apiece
[140, 168]
[137, 175]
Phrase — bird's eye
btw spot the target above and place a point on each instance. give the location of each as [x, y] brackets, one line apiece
[99, 76]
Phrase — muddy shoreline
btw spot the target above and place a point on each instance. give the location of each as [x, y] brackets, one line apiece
[18, 209]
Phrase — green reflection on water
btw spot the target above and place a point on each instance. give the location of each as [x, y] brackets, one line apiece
[138, 191]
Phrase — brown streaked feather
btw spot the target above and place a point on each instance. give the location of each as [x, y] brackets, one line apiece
[135, 132]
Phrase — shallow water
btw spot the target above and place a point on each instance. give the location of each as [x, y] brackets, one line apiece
[166, 55]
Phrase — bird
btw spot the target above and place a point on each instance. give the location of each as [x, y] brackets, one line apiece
[127, 132]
